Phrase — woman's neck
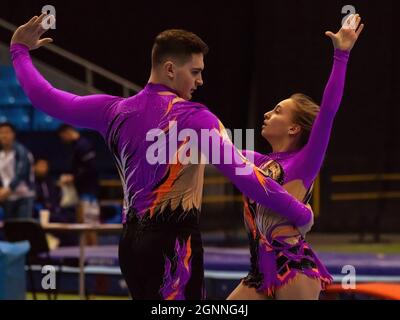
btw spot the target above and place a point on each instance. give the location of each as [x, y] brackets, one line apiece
[284, 146]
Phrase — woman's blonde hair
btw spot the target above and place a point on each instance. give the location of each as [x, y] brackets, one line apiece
[305, 114]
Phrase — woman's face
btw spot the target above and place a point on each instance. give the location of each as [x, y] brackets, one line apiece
[278, 123]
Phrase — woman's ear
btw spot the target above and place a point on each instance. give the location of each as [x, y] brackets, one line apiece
[294, 130]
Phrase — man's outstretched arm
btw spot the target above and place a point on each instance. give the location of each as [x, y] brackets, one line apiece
[88, 111]
[219, 151]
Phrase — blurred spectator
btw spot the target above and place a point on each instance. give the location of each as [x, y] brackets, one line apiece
[47, 192]
[48, 196]
[84, 177]
[83, 162]
[16, 175]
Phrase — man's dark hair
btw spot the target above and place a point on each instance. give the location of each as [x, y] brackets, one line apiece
[176, 43]
[8, 125]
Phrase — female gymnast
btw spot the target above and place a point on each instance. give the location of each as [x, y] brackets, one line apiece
[283, 266]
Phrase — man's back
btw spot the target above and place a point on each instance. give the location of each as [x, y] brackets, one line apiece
[151, 187]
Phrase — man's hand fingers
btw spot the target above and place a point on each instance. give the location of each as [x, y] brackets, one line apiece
[38, 24]
[41, 30]
[46, 23]
[45, 41]
[32, 21]
[40, 19]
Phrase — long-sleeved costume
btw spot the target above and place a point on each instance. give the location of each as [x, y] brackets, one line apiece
[274, 259]
[161, 254]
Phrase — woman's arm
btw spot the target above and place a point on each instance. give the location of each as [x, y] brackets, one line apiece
[312, 155]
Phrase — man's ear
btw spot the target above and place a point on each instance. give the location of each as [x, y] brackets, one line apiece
[169, 68]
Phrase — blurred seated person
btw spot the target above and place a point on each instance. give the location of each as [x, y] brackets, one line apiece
[48, 196]
[47, 192]
[83, 177]
[16, 175]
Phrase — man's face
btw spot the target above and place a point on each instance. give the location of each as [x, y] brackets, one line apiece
[66, 136]
[41, 168]
[187, 77]
[7, 136]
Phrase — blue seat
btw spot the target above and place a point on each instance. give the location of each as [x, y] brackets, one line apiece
[43, 122]
[6, 96]
[19, 95]
[10, 90]
[12, 94]
[7, 75]
[17, 115]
